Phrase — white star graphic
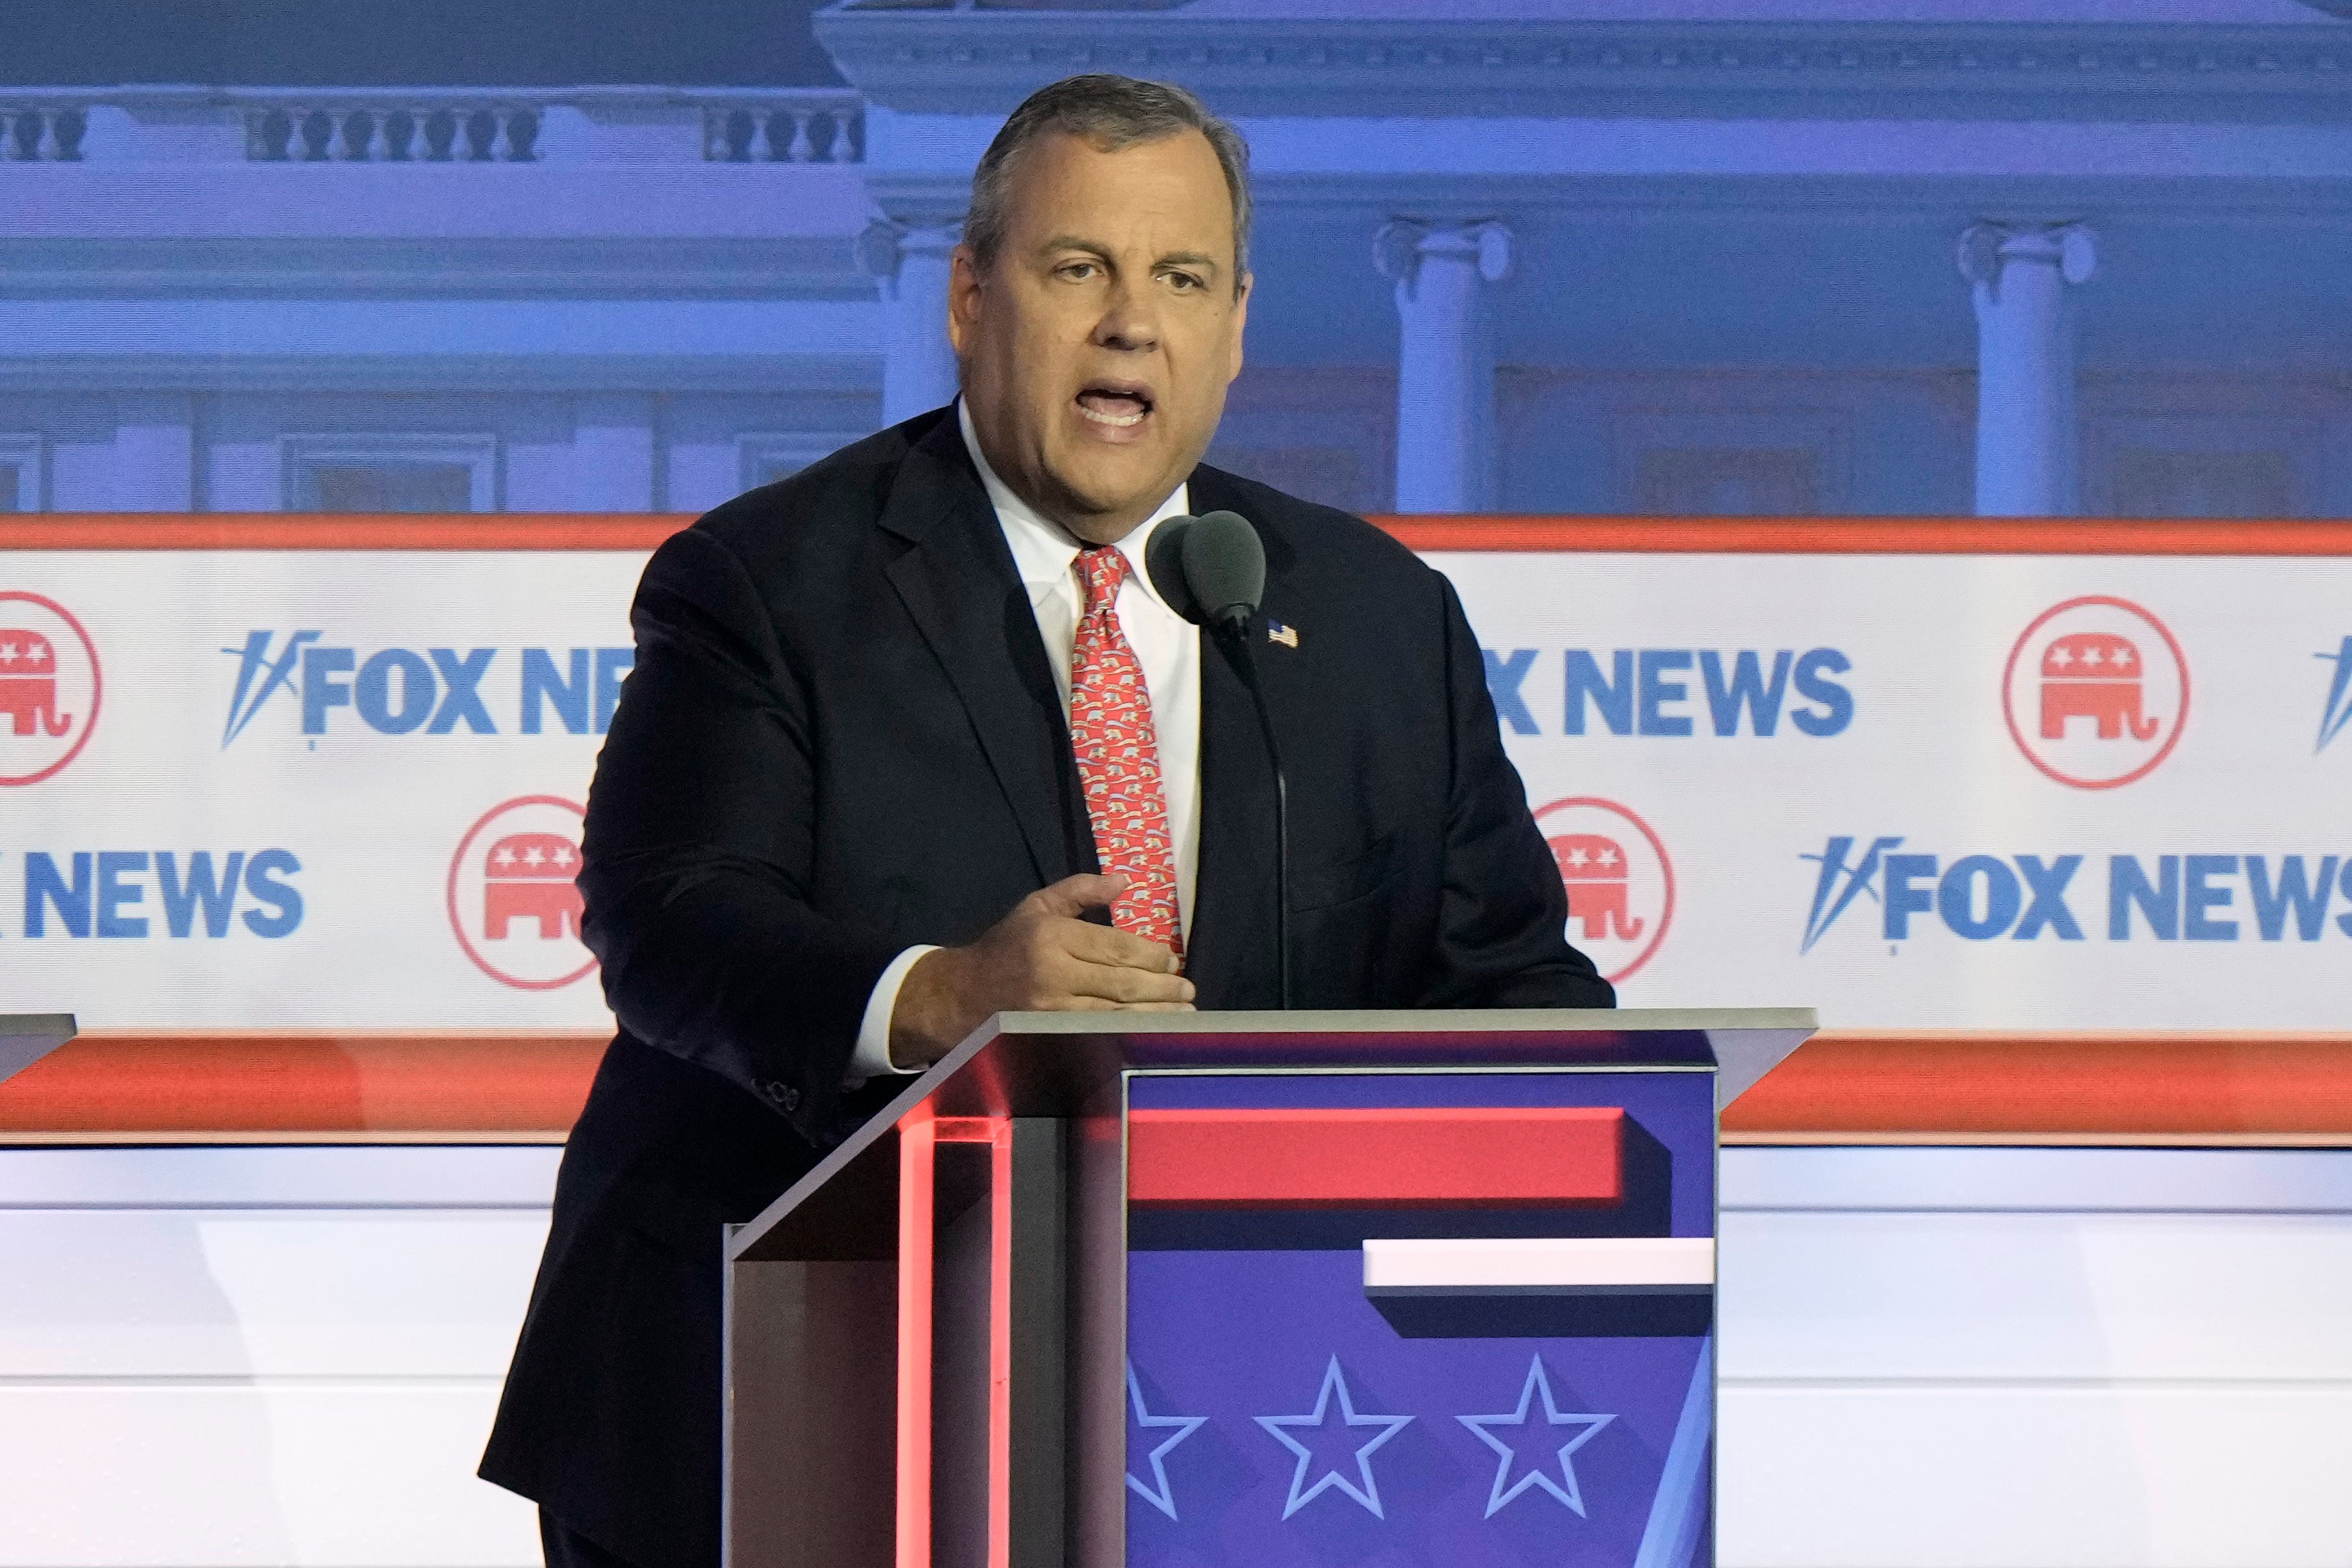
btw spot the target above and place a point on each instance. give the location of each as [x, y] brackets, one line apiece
[1608, 857]
[1368, 1493]
[502, 856]
[562, 855]
[36, 653]
[1159, 1495]
[2091, 654]
[1565, 1489]
[1577, 857]
[2121, 658]
[2061, 655]
[532, 856]
[7, 653]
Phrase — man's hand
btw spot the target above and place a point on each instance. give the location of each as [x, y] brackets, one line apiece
[1039, 959]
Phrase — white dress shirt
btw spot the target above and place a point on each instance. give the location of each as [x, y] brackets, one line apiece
[1167, 645]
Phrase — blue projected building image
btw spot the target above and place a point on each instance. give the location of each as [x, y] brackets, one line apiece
[1804, 258]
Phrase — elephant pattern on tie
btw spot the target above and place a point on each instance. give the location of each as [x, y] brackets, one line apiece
[1119, 757]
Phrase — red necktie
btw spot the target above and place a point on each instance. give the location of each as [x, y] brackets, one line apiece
[1119, 757]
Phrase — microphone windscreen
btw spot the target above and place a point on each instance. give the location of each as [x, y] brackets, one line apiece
[1224, 565]
[1163, 560]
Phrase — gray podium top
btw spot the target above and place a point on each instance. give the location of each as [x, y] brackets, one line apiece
[26, 1038]
[1069, 1064]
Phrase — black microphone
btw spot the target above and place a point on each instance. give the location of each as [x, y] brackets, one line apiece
[1211, 570]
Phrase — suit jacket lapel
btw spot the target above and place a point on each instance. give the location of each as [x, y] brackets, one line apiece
[1231, 955]
[960, 586]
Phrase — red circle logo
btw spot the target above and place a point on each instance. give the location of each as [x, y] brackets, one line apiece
[49, 687]
[514, 900]
[1620, 882]
[2096, 692]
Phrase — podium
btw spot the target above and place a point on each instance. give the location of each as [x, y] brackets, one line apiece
[1107, 1289]
[26, 1038]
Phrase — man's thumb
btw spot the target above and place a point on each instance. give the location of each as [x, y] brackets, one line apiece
[1074, 895]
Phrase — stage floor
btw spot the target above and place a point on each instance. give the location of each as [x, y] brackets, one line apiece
[1940, 1357]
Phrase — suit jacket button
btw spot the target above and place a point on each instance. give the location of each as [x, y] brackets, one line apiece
[781, 1093]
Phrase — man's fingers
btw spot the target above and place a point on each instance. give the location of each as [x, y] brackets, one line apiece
[1118, 983]
[1108, 945]
[1074, 895]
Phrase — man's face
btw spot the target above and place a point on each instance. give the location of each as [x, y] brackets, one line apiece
[1097, 347]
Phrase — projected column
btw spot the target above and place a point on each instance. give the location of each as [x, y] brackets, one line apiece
[154, 453]
[2020, 275]
[919, 368]
[1446, 361]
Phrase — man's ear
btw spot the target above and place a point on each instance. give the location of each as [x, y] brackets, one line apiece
[1240, 322]
[963, 298]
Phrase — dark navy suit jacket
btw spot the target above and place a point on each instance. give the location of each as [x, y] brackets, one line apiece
[842, 737]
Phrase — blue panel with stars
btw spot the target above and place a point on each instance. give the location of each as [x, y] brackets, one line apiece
[1277, 1417]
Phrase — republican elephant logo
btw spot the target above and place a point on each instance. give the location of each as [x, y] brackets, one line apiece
[2096, 692]
[1592, 869]
[2094, 675]
[514, 898]
[1619, 881]
[28, 684]
[49, 687]
[530, 877]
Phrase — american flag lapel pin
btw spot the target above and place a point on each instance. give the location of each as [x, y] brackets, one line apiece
[1276, 631]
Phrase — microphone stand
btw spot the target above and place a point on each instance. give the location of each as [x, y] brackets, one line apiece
[1233, 631]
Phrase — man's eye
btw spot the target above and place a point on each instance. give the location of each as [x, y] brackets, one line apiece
[1078, 270]
[1183, 281]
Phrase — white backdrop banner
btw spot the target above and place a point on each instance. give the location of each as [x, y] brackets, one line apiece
[245, 789]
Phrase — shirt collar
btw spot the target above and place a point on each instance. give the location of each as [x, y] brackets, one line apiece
[1043, 550]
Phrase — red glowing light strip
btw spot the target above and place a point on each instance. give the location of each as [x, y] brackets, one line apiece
[1000, 1347]
[1419, 1157]
[917, 1165]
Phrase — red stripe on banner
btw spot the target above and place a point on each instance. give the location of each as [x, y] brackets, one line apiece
[1429, 1158]
[1483, 533]
[1931, 1087]
[1840, 1086]
[304, 1085]
[1869, 535]
[315, 531]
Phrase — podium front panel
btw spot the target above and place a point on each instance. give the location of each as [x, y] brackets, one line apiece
[1457, 1318]
[1268, 1287]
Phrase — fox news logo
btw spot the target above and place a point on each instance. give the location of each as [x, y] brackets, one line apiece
[398, 691]
[2337, 710]
[103, 895]
[2026, 898]
[1674, 692]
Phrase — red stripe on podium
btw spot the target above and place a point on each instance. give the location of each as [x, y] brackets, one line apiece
[1446, 1157]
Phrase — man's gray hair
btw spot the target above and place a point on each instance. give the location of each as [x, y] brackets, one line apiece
[1111, 113]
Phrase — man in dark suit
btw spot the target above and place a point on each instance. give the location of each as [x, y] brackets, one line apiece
[900, 724]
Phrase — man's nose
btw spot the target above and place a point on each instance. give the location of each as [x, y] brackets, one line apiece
[1129, 323]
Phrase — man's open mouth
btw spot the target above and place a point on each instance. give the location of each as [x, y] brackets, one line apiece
[1119, 404]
